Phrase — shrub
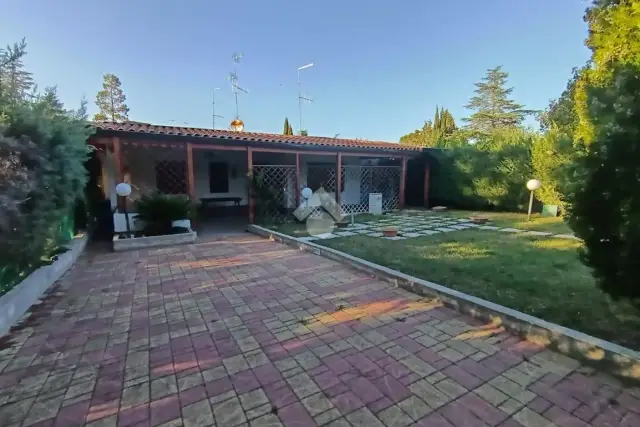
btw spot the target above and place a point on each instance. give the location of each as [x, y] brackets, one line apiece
[549, 155]
[268, 200]
[469, 178]
[604, 198]
[42, 177]
[157, 211]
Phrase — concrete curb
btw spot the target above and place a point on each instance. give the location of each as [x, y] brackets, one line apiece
[120, 245]
[15, 303]
[615, 359]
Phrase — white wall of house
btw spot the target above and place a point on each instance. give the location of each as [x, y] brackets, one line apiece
[237, 169]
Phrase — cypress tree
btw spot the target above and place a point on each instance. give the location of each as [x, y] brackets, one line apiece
[287, 127]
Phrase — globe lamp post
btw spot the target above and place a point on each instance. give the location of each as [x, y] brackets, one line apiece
[124, 190]
[532, 185]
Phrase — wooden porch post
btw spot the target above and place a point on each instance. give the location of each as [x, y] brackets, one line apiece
[191, 180]
[339, 178]
[403, 181]
[250, 172]
[427, 182]
[297, 188]
[118, 162]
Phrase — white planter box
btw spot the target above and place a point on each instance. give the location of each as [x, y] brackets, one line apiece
[184, 223]
[15, 303]
[120, 244]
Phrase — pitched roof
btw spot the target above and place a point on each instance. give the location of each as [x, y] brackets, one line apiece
[147, 128]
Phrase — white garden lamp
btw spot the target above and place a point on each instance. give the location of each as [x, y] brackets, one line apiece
[306, 194]
[532, 185]
[124, 190]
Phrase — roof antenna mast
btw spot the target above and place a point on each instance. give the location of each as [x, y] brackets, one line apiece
[302, 98]
[236, 124]
[213, 105]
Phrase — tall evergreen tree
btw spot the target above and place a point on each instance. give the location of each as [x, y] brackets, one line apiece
[432, 132]
[288, 130]
[604, 197]
[493, 108]
[81, 113]
[15, 82]
[111, 101]
[448, 123]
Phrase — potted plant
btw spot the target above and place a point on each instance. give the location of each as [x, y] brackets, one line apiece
[390, 231]
[343, 223]
[477, 219]
[164, 213]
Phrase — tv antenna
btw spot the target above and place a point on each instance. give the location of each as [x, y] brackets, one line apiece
[302, 98]
[213, 104]
[233, 78]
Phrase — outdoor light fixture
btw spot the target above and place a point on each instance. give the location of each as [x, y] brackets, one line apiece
[532, 185]
[237, 125]
[306, 194]
[124, 190]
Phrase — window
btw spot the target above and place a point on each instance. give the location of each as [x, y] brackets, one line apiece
[218, 178]
[171, 176]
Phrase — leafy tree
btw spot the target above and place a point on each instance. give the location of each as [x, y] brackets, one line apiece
[613, 40]
[551, 152]
[288, 130]
[604, 197]
[561, 112]
[303, 132]
[111, 101]
[492, 106]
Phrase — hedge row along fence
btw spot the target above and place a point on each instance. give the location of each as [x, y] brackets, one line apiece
[478, 177]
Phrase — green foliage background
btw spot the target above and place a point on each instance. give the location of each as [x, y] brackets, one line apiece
[469, 177]
[43, 151]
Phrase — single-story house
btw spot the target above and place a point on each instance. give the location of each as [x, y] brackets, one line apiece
[212, 167]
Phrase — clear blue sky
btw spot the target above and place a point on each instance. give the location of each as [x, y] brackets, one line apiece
[380, 66]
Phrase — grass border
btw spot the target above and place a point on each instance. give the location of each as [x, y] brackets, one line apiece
[607, 356]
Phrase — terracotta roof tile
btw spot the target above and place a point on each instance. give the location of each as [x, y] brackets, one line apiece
[138, 127]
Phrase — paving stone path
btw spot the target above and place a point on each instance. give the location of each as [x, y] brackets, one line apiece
[241, 331]
[420, 226]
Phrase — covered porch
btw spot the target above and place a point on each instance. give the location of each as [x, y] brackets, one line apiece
[252, 181]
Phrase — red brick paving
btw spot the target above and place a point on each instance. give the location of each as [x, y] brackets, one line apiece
[236, 330]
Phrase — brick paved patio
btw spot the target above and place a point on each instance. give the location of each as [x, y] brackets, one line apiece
[244, 331]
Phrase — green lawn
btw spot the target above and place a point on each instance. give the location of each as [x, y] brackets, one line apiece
[538, 276]
[554, 225]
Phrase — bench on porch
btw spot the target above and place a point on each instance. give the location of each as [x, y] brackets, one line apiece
[205, 201]
[206, 204]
